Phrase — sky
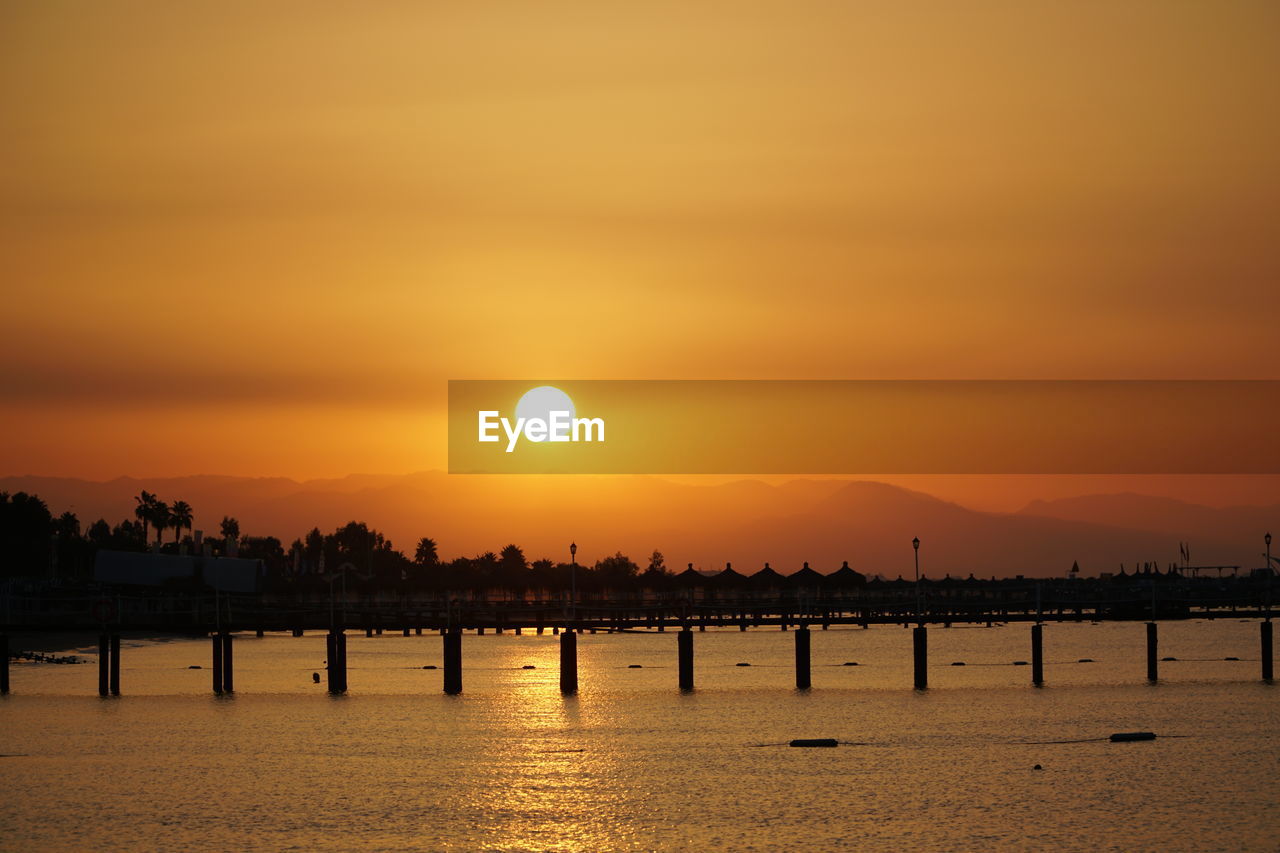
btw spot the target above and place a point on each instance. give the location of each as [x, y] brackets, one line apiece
[259, 239]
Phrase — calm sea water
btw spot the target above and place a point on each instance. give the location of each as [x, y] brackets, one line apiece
[632, 764]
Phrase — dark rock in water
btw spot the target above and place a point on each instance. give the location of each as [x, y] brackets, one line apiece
[957, 663]
[1085, 660]
[814, 741]
[430, 666]
[195, 666]
[850, 663]
[1123, 737]
[528, 666]
[1168, 658]
[742, 664]
[634, 666]
[1037, 767]
[1231, 658]
[1019, 663]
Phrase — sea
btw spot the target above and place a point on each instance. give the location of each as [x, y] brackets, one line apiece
[981, 760]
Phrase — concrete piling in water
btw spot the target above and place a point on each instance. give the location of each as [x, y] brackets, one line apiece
[1153, 671]
[568, 663]
[341, 649]
[330, 660]
[453, 661]
[228, 664]
[684, 647]
[1037, 655]
[216, 642]
[115, 665]
[920, 643]
[104, 664]
[1265, 632]
[803, 681]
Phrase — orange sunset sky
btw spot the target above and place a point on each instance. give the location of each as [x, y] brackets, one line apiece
[258, 239]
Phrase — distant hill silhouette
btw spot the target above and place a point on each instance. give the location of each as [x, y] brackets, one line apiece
[1240, 525]
[747, 522]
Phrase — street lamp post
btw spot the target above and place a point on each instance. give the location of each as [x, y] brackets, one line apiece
[573, 580]
[1270, 572]
[915, 545]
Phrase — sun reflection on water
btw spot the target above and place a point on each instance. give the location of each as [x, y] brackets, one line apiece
[555, 787]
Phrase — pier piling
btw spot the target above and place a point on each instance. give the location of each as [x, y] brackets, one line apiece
[341, 649]
[217, 662]
[1037, 655]
[330, 660]
[453, 661]
[684, 647]
[568, 663]
[1153, 673]
[115, 665]
[802, 658]
[104, 664]
[920, 641]
[1265, 632]
[228, 664]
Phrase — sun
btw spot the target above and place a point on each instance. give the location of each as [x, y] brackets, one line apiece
[540, 402]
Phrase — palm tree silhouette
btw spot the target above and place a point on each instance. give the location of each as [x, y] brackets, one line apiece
[160, 519]
[180, 516]
[144, 509]
[426, 553]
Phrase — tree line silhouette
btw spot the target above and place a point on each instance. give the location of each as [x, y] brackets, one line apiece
[35, 543]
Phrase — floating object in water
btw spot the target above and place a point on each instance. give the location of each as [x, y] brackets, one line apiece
[1168, 658]
[814, 741]
[634, 666]
[1231, 658]
[1020, 663]
[195, 666]
[1037, 767]
[315, 678]
[429, 666]
[1124, 737]
[850, 663]
[1085, 660]
[528, 666]
[742, 664]
[957, 663]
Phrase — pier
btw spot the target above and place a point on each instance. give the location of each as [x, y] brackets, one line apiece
[798, 611]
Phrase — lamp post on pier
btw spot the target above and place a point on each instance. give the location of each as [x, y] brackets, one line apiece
[915, 545]
[573, 580]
